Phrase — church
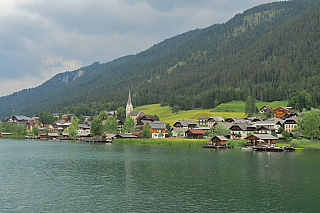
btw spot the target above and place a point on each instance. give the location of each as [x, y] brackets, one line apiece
[129, 110]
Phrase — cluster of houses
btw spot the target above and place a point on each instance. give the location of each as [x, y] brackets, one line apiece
[240, 128]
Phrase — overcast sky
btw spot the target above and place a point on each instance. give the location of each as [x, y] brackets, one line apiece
[40, 38]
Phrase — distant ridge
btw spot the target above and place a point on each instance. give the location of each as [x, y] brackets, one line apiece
[268, 51]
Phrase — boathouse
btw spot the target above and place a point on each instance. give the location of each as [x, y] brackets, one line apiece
[219, 141]
[260, 139]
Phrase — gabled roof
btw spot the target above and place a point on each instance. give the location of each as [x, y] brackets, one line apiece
[222, 138]
[22, 117]
[185, 123]
[241, 126]
[154, 125]
[264, 136]
[196, 131]
[136, 113]
[84, 126]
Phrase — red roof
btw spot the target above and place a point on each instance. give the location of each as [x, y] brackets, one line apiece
[196, 131]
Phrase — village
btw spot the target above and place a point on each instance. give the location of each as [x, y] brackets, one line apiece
[255, 130]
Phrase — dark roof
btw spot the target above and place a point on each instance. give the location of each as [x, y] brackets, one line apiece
[222, 138]
[264, 136]
[155, 125]
[196, 131]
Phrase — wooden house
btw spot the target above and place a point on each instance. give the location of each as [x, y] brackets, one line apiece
[261, 139]
[243, 129]
[53, 135]
[290, 124]
[195, 133]
[125, 135]
[4, 134]
[281, 111]
[264, 109]
[157, 128]
[219, 141]
[31, 124]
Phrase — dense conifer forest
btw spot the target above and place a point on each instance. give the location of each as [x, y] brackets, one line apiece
[267, 52]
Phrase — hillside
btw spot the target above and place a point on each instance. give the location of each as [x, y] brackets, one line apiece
[268, 51]
[225, 110]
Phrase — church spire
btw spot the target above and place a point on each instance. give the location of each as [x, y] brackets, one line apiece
[129, 99]
[129, 107]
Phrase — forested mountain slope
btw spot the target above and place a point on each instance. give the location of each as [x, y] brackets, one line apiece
[268, 51]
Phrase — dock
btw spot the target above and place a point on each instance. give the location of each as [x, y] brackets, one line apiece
[216, 147]
[273, 149]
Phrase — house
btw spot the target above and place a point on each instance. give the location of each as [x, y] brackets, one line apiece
[157, 128]
[140, 124]
[60, 127]
[53, 135]
[281, 111]
[289, 115]
[195, 133]
[83, 128]
[210, 121]
[137, 133]
[32, 123]
[290, 124]
[4, 134]
[43, 136]
[35, 117]
[178, 132]
[120, 125]
[261, 139]
[272, 123]
[265, 130]
[65, 116]
[243, 129]
[48, 127]
[296, 134]
[83, 134]
[264, 109]
[186, 124]
[126, 135]
[135, 114]
[145, 118]
[21, 119]
[219, 141]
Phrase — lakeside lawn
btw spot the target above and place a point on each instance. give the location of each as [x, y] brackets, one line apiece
[226, 110]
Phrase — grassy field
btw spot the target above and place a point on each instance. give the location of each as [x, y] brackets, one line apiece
[239, 106]
[226, 110]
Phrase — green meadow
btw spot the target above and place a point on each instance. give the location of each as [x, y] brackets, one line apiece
[225, 110]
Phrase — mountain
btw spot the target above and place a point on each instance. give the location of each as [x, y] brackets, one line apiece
[268, 51]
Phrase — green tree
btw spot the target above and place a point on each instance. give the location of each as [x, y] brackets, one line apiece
[103, 115]
[81, 119]
[175, 109]
[46, 118]
[238, 135]
[250, 107]
[73, 128]
[121, 114]
[35, 130]
[111, 125]
[128, 125]
[156, 118]
[168, 127]
[146, 132]
[300, 100]
[96, 128]
[220, 130]
[309, 124]
[286, 135]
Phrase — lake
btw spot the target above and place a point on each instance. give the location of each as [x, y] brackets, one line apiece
[54, 176]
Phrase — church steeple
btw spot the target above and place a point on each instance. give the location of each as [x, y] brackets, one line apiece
[129, 107]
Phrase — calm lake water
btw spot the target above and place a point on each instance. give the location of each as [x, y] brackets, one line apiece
[53, 176]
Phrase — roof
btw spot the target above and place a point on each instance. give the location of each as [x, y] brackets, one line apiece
[196, 131]
[226, 125]
[264, 136]
[156, 125]
[126, 135]
[22, 117]
[179, 130]
[242, 126]
[84, 126]
[222, 138]
[269, 108]
[83, 134]
[53, 134]
[185, 123]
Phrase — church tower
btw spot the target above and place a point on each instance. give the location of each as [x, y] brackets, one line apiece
[129, 107]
